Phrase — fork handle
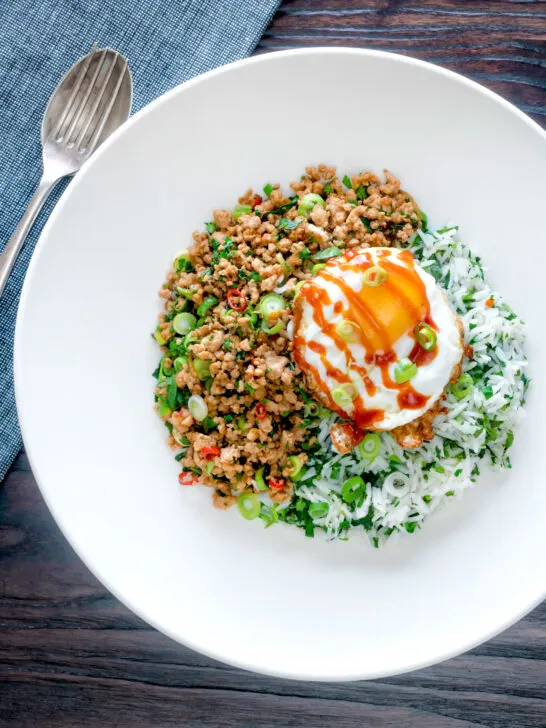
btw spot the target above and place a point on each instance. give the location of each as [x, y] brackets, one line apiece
[15, 243]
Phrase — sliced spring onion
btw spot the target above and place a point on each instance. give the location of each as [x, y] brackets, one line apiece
[198, 407]
[311, 409]
[186, 292]
[298, 285]
[318, 510]
[296, 470]
[370, 446]
[270, 304]
[463, 386]
[239, 210]
[160, 340]
[207, 304]
[259, 478]
[348, 330]
[344, 395]
[352, 489]
[209, 467]
[332, 252]
[404, 370]
[374, 276]
[225, 313]
[242, 423]
[179, 363]
[425, 336]
[249, 506]
[202, 368]
[318, 266]
[271, 331]
[183, 323]
[252, 317]
[309, 201]
[280, 259]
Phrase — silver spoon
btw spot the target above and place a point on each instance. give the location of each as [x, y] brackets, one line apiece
[91, 101]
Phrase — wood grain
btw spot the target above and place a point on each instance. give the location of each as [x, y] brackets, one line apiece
[71, 655]
[499, 44]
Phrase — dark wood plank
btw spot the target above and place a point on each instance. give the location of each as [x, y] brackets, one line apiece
[500, 44]
[71, 655]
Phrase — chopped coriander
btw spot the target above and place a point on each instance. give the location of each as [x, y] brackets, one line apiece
[331, 252]
[210, 227]
[282, 208]
[304, 254]
[361, 192]
[285, 223]
[268, 189]
[327, 189]
[347, 182]
[366, 224]
[208, 424]
[424, 221]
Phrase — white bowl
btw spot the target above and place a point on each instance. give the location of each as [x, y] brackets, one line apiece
[272, 600]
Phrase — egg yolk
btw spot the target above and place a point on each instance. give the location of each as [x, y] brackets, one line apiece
[381, 312]
[382, 298]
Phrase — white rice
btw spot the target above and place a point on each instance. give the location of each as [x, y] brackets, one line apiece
[403, 487]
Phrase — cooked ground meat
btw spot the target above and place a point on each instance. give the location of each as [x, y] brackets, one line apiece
[238, 360]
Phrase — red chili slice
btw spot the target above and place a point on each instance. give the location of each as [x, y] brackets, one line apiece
[186, 477]
[260, 410]
[277, 483]
[256, 200]
[209, 452]
[236, 300]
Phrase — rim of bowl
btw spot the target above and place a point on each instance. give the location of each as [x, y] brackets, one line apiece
[407, 665]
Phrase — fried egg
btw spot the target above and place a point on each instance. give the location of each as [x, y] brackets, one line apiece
[375, 337]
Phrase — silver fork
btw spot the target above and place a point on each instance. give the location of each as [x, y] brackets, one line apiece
[90, 102]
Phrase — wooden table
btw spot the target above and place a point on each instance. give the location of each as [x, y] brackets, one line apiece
[71, 655]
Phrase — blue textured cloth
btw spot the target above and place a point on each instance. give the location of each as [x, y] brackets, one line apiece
[165, 41]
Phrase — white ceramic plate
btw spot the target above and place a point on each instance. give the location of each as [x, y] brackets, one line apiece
[272, 600]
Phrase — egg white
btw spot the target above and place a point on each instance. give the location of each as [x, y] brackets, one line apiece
[430, 379]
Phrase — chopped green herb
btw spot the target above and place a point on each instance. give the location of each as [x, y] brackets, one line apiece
[366, 224]
[424, 222]
[285, 223]
[208, 424]
[361, 192]
[210, 227]
[283, 208]
[347, 182]
[268, 189]
[331, 252]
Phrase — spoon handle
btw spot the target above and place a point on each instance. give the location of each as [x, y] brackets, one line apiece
[15, 243]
